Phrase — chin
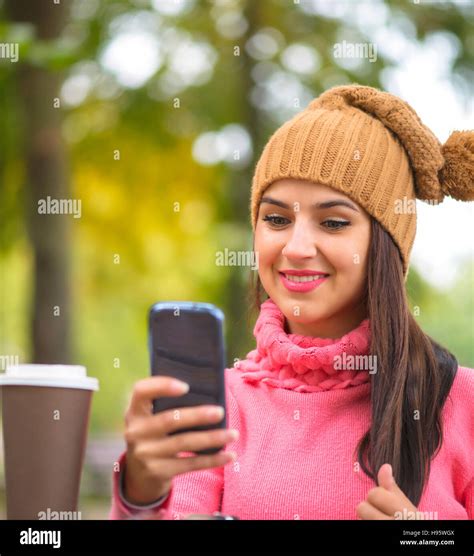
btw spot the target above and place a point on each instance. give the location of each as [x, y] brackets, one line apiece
[306, 315]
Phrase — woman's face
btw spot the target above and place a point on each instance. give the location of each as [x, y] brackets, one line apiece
[293, 234]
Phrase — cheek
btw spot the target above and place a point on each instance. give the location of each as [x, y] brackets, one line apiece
[350, 262]
[350, 255]
[341, 253]
[360, 251]
[268, 247]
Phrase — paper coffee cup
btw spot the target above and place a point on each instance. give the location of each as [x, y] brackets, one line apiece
[46, 410]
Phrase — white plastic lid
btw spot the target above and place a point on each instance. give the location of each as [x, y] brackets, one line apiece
[61, 376]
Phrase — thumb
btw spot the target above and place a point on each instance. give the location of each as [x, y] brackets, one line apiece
[385, 477]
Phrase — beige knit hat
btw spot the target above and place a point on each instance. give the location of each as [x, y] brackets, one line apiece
[373, 147]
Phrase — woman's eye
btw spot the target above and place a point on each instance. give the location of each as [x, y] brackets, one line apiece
[336, 224]
[275, 220]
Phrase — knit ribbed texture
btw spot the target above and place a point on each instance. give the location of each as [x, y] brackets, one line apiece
[373, 147]
[296, 448]
[302, 363]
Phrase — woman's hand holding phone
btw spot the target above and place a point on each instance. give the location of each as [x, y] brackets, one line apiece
[152, 460]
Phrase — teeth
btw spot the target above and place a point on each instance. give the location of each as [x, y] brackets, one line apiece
[303, 278]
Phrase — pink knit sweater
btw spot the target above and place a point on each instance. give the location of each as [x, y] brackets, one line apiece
[300, 419]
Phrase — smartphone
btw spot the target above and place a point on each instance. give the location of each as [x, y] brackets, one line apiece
[186, 341]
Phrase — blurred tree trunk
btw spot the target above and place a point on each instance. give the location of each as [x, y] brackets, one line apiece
[46, 175]
[240, 337]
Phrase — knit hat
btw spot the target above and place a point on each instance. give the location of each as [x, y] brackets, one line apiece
[373, 147]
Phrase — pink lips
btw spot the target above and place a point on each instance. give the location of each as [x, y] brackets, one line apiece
[301, 286]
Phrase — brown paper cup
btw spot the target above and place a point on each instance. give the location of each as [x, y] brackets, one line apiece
[46, 410]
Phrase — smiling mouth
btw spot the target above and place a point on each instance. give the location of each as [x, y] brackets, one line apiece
[300, 283]
[299, 278]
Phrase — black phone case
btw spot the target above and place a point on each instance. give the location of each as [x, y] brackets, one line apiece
[186, 341]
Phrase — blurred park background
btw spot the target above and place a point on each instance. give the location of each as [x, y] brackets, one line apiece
[152, 114]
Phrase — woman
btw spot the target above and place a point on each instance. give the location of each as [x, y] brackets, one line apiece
[346, 409]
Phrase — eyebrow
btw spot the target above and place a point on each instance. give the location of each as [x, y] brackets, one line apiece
[324, 205]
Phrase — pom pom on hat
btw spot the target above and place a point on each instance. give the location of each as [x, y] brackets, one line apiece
[438, 170]
[457, 175]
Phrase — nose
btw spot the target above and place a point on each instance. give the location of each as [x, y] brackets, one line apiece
[301, 243]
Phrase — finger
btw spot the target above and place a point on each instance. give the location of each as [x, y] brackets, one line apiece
[385, 477]
[366, 511]
[387, 480]
[165, 422]
[147, 389]
[188, 442]
[168, 468]
[186, 417]
[384, 500]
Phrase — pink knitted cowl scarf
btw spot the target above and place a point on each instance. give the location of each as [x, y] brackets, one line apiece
[305, 363]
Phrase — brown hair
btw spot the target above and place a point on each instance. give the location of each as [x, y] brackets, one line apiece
[413, 379]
